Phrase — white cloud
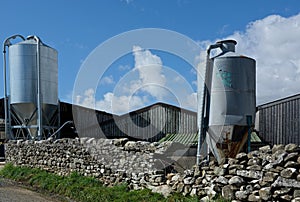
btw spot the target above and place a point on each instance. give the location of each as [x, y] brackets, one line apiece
[87, 100]
[274, 43]
[149, 67]
[127, 93]
[107, 80]
[148, 81]
[120, 104]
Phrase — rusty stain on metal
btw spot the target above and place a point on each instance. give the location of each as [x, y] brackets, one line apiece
[231, 148]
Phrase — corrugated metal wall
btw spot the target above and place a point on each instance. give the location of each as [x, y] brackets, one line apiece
[150, 123]
[87, 121]
[279, 121]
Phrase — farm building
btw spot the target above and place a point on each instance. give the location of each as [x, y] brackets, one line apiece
[150, 123]
[279, 121]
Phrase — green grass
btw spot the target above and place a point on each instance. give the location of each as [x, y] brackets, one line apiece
[82, 188]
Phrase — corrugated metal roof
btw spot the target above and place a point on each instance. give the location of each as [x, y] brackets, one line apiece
[279, 101]
[255, 137]
[186, 139]
[192, 139]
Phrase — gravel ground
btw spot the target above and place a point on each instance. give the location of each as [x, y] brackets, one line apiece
[11, 191]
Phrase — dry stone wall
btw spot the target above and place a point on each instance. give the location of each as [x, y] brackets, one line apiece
[267, 174]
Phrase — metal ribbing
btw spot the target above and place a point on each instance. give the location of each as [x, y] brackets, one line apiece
[279, 121]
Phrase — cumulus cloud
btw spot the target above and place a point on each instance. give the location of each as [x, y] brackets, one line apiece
[88, 99]
[274, 43]
[147, 82]
[149, 67]
[127, 95]
[120, 104]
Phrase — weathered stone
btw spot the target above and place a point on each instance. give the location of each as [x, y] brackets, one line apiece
[291, 157]
[256, 186]
[265, 193]
[296, 193]
[210, 192]
[222, 180]
[236, 166]
[248, 188]
[241, 195]
[265, 149]
[189, 180]
[232, 161]
[187, 189]
[298, 160]
[270, 176]
[180, 187]
[277, 147]
[268, 166]
[165, 190]
[252, 174]
[296, 199]
[232, 171]
[226, 166]
[198, 180]
[278, 157]
[236, 180]
[241, 156]
[227, 192]
[175, 177]
[253, 197]
[286, 198]
[197, 171]
[254, 161]
[130, 146]
[120, 142]
[291, 147]
[254, 167]
[291, 164]
[205, 199]
[219, 171]
[193, 192]
[283, 182]
[288, 173]
[282, 191]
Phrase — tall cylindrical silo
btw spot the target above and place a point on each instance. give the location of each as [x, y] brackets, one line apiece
[232, 104]
[33, 88]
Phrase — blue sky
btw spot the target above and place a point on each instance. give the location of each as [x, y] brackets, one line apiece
[75, 28]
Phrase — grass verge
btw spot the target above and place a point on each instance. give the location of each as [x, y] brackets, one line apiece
[86, 189]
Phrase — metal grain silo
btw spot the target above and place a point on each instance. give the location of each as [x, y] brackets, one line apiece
[33, 89]
[231, 104]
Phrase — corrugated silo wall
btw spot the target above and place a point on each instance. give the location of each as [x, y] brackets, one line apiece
[279, 121]
[152, 123]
